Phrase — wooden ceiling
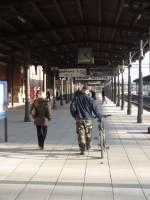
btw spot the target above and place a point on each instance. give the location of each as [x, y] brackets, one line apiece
[51, 31]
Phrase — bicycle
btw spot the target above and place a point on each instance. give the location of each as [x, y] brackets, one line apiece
[101, 135]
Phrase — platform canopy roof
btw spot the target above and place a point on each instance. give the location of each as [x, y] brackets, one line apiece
[50, 32]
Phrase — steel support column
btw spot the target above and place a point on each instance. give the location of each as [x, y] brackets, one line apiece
[27, 86]
[44, 81]
[112, 89]
[71, 89]
[66, 95]
[54, 89]
[115, 90]
[140, 92]
[68, 90]
[129, 86]
[61, 95]
[122, 88]
[149, 47]
[118, 100]
[12, 82]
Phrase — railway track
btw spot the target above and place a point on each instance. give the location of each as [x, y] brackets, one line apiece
[146, 101]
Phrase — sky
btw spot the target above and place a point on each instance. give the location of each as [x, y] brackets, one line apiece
[135, 68]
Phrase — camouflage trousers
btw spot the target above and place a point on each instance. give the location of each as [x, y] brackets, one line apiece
[84, 129]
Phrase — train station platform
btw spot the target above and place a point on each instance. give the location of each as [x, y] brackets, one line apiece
[59, 172]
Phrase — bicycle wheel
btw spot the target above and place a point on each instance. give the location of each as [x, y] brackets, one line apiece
[101, 141]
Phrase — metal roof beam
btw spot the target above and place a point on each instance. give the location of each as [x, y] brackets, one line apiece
[96, 41]
[56, 28]
[5, 46]
[11, 27]
[78, 42]
[7, 3]
[36, 9]
[117, 17]
[109, 52]
[18, 17]
[62, 17]
[80, 10]
[45, 20]
[82, 19]
[49, 50]
[99, 10]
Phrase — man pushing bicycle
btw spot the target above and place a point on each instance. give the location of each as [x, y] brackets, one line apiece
[82, 109]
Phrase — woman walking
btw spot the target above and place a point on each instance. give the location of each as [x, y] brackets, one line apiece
[41, 113]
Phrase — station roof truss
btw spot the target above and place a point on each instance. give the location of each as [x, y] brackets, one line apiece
[50, 32]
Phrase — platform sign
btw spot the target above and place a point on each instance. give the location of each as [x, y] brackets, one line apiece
[72, 72]
[85, 56]
[3, 99]
[95, 72]
[91, 78]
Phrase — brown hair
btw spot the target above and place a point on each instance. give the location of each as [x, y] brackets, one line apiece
[85, 87]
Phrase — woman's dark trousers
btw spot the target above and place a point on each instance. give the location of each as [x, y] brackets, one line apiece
[41, 135]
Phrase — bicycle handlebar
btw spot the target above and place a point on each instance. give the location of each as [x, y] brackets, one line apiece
[105, 116]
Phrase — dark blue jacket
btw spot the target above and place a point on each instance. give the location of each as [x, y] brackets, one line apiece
[83, 106]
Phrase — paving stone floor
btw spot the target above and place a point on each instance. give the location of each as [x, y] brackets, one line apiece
[60, 173]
